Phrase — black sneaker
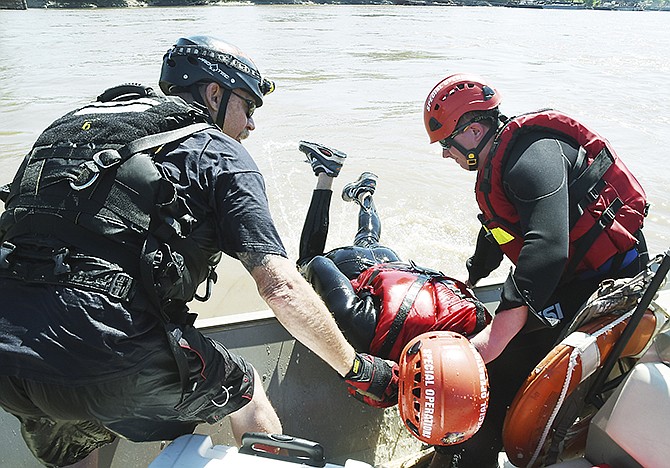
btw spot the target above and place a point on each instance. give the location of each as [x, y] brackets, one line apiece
[322, 158]
[366, 183]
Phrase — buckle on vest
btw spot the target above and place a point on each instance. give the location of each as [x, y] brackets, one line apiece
[120, 286]
[59, 259]
[90, 170]
[608, 216]
[594, 192]
[5, 251]
[87, 176]
[107, 158]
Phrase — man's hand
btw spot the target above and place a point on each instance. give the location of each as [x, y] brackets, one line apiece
[373, 380]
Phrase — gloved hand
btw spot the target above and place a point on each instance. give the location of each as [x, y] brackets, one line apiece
[373, 381]
[370, 402]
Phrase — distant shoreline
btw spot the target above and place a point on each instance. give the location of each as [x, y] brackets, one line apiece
[537, 4]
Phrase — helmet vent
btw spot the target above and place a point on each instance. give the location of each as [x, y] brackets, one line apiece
[412, 427]
[416, 346]
[434, 124]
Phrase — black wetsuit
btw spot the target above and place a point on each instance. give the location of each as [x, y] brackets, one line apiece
[535, 180]
[330, 272]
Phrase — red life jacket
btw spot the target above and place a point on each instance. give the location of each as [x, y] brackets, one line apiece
[412, 301]
[607, 203]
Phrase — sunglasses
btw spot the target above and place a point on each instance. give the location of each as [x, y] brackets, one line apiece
[448, 142]
[251, 104]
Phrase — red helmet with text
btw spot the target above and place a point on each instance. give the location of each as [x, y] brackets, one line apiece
[443, 388]
[451, 98]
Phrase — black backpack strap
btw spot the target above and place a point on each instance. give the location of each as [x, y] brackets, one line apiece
[403, 312]
[160, 139]
[147, 274]
[102, 160]
[126, 92]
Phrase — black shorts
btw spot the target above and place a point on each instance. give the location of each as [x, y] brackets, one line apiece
[62, 424]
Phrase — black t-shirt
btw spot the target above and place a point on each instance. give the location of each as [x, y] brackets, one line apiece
[225, 192]
[65, 335]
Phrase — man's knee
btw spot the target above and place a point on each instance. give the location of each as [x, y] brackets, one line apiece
[258, 415]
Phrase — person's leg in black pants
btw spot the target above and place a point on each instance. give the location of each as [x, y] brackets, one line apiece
[315, 229]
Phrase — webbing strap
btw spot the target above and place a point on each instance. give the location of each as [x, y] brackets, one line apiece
[584, 243]
[401, 316]
[62, 268]
[47, 227]
[89, 171]
[592, 174]
[586, 187]
[578, 209]
[159, 139]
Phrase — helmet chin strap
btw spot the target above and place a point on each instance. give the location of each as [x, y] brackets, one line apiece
[223, 106]
[472, 155]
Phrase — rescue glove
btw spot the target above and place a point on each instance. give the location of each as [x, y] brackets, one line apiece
[373, 381]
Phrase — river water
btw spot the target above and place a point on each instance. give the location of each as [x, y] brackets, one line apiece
[355, 77]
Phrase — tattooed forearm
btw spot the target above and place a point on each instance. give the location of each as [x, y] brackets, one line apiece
[251, 260]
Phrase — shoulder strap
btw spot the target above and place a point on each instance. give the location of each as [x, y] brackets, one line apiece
[160, 139]
[90, 170]
[587, 183]
[403, 312]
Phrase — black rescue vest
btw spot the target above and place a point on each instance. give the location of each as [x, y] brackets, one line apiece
[89, 208]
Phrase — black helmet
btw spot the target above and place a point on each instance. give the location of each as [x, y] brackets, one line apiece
[198, 59]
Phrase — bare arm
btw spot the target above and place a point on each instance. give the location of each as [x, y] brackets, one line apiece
[493, 339]
[299, 309]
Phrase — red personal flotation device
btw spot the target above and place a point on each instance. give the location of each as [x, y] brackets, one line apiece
[414, 300]
[607, 203]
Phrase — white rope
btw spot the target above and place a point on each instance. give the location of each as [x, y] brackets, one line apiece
[577, 351]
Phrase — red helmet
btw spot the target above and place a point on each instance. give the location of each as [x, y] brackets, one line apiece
[443, 388]
[451, 98]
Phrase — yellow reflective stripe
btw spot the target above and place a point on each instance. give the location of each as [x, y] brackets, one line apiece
[501, 236]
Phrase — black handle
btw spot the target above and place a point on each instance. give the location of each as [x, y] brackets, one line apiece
[126, 92]
[299, 450]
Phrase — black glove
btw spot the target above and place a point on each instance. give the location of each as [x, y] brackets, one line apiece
[373, 380]
[487, 257]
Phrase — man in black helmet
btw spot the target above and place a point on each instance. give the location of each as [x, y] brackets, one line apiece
[216, 75]
[121, 209]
